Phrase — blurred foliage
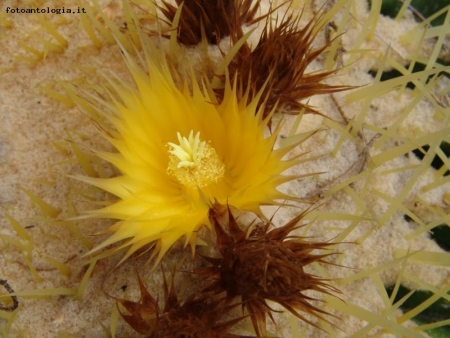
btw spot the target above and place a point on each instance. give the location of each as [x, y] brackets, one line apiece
[441, 235]
[437, 162]
[424, 7]
[437, 311]
[440, 310]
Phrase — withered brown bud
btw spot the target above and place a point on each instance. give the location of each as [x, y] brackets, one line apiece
[277, 66]
[196, 317]
[213, 19]
[264, 265]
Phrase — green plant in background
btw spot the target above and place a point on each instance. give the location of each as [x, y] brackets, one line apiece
[422, 7]
[438, 311]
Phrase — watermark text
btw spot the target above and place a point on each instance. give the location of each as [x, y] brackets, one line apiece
[45, 10]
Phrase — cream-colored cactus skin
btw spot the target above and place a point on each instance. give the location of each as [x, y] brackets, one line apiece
[366, 186]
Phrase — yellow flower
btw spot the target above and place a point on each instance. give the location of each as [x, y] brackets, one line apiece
[179, 151]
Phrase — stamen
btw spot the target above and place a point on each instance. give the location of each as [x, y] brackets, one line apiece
[193, 162]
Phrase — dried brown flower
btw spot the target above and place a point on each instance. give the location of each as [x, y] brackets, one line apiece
[264, 265]
[278, 64]
[213, 19]
[197, 317]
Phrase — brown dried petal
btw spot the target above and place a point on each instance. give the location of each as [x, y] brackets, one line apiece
[197, 317]
[265, 265]
[213, 19]
[277, 67]
[142, 313]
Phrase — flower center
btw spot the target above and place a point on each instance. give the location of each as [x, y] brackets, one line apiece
[194, 163]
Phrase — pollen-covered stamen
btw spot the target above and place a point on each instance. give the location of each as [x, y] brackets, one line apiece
[194, 163]
[189, 152]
